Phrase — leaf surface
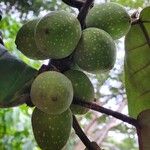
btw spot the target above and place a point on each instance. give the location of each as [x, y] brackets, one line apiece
[137, 64]
[144, 131]
[15, 78]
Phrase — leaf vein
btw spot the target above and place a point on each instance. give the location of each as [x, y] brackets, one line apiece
[144, 67]
[138, 46]
[144, 93]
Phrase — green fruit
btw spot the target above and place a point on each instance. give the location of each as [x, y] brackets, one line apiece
[57, 34]
[83, 89]
[25, 41]
[51, 132]
[110, 17]
[52, 92]
[95, 51]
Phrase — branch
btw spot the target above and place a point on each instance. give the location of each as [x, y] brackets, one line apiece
[0, 14]
[80, 132]
[48, 67]
[29, 102]
[135, 16]
[74, 3]
[136, 21]
[101, 109]
[90, 145]
[1, 38]
[63, 64]
[83, 12]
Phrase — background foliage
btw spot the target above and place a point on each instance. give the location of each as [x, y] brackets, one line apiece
[15, 125]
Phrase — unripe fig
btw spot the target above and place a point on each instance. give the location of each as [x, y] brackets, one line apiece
[96, 51]
[51, 132]
[52, 92]
[83, 89]
[25, 41]
[57, 34]
[111, 17]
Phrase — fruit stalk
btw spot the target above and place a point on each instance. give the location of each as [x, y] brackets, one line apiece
[106, 111]
[74, 3]
[83, 12]
[89, 145]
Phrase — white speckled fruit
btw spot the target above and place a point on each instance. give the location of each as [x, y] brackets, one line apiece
[26, 43]
[111, 17]
[51, 132]
[57, 34]
[83, 89]
[52, 92]
[96, 51]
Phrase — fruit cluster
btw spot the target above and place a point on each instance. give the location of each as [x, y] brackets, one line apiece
[56, 36]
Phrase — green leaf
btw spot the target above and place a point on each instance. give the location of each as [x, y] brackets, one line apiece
[15, 79]
[129, 3]
[137, 64]
[144, 131]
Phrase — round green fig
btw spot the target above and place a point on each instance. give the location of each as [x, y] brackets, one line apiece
[51, 132]
[25, 41]
[57, 34]
[96, 51]
[83, 89]
[111, 17]
[52, 92]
